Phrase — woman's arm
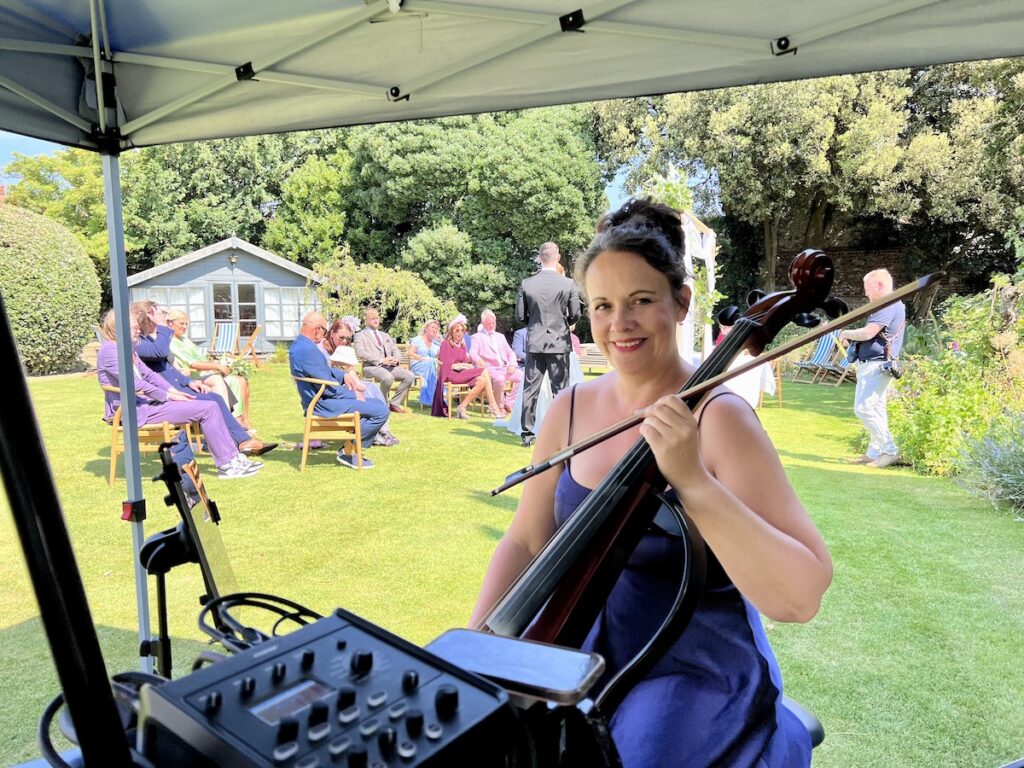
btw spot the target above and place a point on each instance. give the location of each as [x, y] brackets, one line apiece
[736, 492]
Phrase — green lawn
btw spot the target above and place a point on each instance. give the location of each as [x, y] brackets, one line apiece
[914, 659]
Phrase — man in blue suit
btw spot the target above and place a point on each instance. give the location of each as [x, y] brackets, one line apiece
[307, 359]
[154, 349]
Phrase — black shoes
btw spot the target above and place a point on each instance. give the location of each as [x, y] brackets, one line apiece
[528, 439]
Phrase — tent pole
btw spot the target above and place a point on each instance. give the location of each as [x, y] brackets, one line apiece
[126, 377]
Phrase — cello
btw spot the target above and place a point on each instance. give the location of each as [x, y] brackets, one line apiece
[560, 594]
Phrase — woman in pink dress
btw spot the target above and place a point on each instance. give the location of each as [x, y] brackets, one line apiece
[456, 368]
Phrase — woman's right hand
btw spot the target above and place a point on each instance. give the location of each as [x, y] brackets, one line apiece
[173, 394]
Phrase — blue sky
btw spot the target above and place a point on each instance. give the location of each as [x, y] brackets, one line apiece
[12, 142]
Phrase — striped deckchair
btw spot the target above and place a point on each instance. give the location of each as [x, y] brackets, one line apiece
[821, 357]
[225, 339]
[838, 368]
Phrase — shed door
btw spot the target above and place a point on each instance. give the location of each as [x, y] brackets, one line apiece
[236, 301]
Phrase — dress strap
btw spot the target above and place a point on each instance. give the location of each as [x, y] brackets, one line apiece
[572, 410]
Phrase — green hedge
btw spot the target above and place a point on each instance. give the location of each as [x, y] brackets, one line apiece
[50, 290]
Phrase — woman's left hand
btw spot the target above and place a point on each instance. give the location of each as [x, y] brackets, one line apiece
[671, 431]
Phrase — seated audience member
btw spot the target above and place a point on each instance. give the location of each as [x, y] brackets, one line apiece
[423, 351]
[190, 360]
[153, 346]
[456, 368]
[340, 337]
[381, 359]
[156, 401]
[491, 351]
[519, 346]
[307, 360]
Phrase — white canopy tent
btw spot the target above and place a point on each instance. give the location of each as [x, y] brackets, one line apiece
[195, 69]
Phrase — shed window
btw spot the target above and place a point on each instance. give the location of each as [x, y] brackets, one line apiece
[284, 308]
[190, 300]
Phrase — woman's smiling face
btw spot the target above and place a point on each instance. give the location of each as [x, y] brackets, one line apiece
[633, 311]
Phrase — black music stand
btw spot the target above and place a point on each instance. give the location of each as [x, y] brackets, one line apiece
[55, 577]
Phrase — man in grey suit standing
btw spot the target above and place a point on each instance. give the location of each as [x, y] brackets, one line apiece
[548, 303]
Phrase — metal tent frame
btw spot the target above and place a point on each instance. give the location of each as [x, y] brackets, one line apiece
[109, 75]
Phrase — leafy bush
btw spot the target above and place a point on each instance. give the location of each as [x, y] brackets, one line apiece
[49, 287]
[993, 466]
[402, 298]
[969, 379]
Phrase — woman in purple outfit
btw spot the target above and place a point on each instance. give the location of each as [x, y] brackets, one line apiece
[157, 401]
[457, 368]
[715, 697]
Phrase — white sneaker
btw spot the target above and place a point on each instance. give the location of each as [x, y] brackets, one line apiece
[251, 461]
[238, 467]
[351, 462]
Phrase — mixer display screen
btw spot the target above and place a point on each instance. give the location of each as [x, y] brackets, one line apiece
[290, 701]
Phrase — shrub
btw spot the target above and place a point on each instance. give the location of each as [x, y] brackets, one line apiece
[993, 466]
[403, 299]
[49, 287]
[967, 377]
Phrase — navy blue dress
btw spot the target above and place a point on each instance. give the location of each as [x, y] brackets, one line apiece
[715, 698]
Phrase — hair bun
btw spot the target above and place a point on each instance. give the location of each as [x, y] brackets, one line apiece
[645, 213]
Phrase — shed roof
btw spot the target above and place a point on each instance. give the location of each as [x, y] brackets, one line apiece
[236, 243]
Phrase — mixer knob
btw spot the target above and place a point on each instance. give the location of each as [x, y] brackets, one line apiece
[287, 730]
[410, 680]
[212, 704]
[247, 688]
[387, 741]
[346, 697]
[414, 723]
[308, 657]
[362, 662]
[318, 713]
[446, 701]
[358, 757]
[278, 672]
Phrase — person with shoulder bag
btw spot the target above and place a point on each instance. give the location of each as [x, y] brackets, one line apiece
[876, 348]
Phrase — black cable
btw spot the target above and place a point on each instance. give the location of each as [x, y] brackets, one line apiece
[43, 739]
[240, 637]
[691, 586]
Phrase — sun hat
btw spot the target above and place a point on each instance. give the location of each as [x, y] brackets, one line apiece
[344, 356]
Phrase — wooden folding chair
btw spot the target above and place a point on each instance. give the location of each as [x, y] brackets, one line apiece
[250, 348]
[458, 393]
[344, 427]
[225, 339]
[150, 436]
[406, 362]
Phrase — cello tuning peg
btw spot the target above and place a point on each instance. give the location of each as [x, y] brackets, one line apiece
[806, 320]
[834, 307]
[755, 296]
[729, 315]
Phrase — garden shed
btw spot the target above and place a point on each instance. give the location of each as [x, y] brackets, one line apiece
[232, 280]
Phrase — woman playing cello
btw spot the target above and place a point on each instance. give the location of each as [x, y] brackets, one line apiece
[715, 698]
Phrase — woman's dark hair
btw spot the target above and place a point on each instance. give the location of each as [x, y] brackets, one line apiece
[337, 325]
[651, 230]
